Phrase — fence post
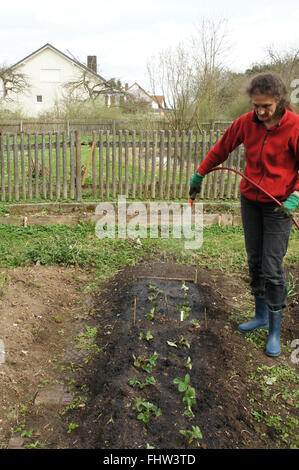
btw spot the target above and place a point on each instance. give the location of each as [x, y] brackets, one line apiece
[78, 165]
[23, 167]
[2, 169]
[16, 167]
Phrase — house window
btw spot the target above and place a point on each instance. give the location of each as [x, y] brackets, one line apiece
[50, 75]
[39, 98]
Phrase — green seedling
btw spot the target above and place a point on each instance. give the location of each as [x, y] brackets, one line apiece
[184, 342]
[184, 287]
[148, 381]
[18, 429]
[148, 336]
[35, 445]
[182, 384]
[152, 286]
[189, 396]
[77, 402]
[189, 400]
[172, 344]
[27, 433]
[154, 292]
[184, 309]
[151, 315]
[22, 410]
[191, 435]
[152, 296]
[146, 409]
[292, 285]
[146, 364]
[43, 383]
[188, 364]
[71, 428]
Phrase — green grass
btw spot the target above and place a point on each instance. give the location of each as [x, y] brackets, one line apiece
[278, 385]
[223, 248]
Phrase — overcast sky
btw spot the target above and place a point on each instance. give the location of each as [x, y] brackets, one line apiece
[125, 34]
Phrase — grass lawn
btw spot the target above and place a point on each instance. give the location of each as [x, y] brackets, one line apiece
[223, 248]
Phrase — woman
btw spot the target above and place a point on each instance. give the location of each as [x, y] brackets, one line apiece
[270, 134]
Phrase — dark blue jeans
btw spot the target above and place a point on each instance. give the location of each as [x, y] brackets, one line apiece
[266, 239]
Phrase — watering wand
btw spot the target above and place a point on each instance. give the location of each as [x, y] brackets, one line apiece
[192, 198]
[193, 195]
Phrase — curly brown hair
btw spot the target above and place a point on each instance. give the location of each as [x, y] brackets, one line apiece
[272, 85]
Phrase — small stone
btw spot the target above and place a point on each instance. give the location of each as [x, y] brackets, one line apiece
[53, 395]
[15, 443]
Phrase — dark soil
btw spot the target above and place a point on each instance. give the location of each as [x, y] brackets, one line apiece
[218, 353]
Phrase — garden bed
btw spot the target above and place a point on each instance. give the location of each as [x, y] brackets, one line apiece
[152, 360]
[173, 372]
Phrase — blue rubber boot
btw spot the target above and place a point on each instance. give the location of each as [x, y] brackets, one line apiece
[261, 319]
[273, 345]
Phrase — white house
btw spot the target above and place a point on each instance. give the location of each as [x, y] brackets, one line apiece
[157, 102]
[47, 70]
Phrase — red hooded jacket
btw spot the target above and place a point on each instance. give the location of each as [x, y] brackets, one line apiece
[271, 155]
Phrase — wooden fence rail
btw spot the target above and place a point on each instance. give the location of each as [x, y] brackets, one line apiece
[87, 126]
[152, 165]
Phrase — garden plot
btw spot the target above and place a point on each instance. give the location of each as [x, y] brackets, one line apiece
[159, 381]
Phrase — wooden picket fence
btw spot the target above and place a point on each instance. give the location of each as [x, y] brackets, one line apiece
[152, 165]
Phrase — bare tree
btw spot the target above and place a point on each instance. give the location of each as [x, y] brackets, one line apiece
[172, 73]
[13, 82]
[210, 47]
[284, 63]
[190, 76]
[87, 88]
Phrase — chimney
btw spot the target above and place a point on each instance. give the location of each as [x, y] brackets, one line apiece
[92, 63]
[126, 87]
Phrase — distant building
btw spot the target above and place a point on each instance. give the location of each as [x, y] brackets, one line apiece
[157, 102]
[47, 71]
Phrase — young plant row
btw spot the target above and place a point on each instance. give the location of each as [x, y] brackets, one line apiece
[183, 309]
[145, 409]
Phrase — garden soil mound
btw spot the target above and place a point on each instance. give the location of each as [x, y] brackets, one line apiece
[129, 337]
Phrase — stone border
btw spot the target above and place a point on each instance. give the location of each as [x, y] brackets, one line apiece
[208, 219]
[76, 212]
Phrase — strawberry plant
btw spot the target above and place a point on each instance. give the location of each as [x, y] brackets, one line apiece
[146, 409]
[151, 315]
[189, 396]
[148, 336]
[146, 364]
[184, 342]
[188, 364]
[191, 435]
[148, 381]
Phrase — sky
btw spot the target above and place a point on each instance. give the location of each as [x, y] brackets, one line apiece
[126, 34]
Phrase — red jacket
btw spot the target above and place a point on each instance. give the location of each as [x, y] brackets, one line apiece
[271, 155]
